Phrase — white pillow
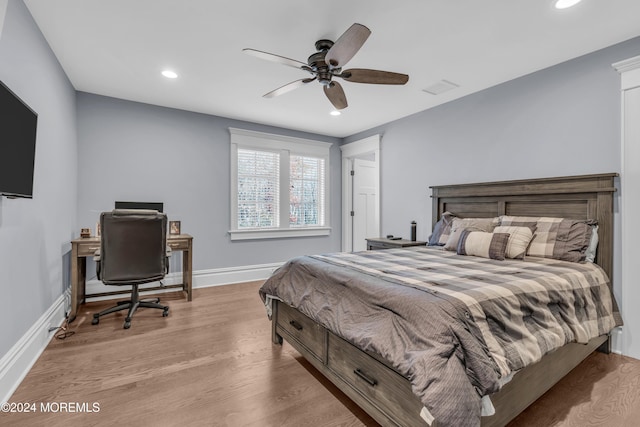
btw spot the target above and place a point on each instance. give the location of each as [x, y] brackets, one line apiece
[590, 254]
[519, 239]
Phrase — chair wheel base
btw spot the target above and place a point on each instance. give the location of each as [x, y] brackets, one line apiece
[132, 306]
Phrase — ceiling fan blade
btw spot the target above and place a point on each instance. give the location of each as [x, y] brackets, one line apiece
[288, 87]
[275, 58]
[336, 95]
[362, 75]
[347, 45]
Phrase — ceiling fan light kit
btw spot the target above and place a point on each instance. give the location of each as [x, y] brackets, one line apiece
[327, 63]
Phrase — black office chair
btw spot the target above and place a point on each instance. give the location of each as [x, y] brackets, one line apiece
[133, 250]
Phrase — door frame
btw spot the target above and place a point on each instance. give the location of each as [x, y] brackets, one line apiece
[623, 341]
[350, 151]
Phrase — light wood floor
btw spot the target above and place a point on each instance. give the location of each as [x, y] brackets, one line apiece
[212, 363]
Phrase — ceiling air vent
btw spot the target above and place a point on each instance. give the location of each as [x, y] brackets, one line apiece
[440, 87]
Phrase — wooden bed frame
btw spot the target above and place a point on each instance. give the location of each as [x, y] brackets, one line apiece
[383, 393]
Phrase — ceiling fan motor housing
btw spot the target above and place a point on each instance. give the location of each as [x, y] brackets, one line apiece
[317, 62]
[321, 69]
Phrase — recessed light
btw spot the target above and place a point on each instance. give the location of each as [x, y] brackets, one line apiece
[335, 113]
[169, 74]
[564, 4]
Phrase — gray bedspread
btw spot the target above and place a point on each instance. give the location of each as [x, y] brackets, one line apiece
[453, 325]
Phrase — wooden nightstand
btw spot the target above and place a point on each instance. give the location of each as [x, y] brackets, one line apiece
[382, 243]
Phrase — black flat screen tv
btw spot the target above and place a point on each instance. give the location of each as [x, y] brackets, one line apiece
[18, 125]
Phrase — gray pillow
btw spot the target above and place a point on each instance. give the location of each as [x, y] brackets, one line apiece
[557, 238]
[441, 230]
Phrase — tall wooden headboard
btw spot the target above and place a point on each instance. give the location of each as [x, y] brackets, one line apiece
[575, 197]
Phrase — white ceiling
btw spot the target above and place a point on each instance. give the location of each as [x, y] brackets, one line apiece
[119, 47]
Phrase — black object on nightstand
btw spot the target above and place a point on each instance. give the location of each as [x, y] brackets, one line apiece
[389, 243]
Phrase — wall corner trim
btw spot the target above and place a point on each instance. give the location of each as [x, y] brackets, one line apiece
[15, 365]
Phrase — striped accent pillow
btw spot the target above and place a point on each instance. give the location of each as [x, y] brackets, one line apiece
[483, 244]
[473, 224]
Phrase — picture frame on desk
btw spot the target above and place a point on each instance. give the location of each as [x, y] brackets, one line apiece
[174, 227]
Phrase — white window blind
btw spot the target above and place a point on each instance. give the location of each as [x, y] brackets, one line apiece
[258, 189]
[306, 194]
[279, 186]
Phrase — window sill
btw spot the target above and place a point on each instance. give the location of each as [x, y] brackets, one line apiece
[279, 233]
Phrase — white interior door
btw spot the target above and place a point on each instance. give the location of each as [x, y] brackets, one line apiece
[365, 216]
[360, 192]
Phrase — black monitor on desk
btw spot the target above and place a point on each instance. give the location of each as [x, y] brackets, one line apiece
[156, 206]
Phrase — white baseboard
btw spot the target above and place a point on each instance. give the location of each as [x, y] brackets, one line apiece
[616, 340]
[230, 275]
[15, 365]
[201, 279]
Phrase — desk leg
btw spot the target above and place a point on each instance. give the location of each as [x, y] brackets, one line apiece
[187, 272]
[78, 273]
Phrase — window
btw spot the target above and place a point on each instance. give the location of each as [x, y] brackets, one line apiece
[279, 186]
[258, 189]
[306, 194]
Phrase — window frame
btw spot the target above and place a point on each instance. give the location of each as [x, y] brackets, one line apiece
[285, 146]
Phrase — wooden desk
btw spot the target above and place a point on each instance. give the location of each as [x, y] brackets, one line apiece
[86, 247]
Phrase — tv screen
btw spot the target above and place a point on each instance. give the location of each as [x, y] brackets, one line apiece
[18, 125]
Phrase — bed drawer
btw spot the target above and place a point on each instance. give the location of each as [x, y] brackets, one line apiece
[384, 387]
[304, 330]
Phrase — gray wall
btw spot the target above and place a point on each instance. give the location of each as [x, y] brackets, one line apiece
[561, 121]
[138, 152]
[564, 120]
[35, 234]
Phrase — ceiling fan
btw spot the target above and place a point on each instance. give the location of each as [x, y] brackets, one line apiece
[327, 63]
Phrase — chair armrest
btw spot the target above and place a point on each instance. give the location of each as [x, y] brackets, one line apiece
[168, 253]
[96, 258]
